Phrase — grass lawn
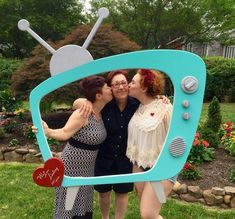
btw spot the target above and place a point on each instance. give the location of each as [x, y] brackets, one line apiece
[21, 198]
[227, 111]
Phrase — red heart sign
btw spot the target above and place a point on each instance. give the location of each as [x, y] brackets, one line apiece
[51, 175]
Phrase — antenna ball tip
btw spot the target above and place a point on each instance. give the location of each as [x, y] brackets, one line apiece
[103, 12]
[23, 24]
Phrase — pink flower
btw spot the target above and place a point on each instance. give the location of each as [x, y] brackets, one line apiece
[205, 143]
[196, 142]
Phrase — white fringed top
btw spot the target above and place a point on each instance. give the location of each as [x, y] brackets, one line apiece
[147, 130]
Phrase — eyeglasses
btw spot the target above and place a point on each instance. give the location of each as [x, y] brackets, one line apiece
[118, 84]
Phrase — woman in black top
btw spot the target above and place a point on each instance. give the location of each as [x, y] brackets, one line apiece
[111, 159]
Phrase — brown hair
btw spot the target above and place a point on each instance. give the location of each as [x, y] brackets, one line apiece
[112, 74]
[91, 86]
[152, 80]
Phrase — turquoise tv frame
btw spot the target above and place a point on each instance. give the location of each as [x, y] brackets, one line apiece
[178, 65]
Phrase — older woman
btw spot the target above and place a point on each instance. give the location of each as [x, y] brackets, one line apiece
[112, 159]
[146, 135]
[85, 131]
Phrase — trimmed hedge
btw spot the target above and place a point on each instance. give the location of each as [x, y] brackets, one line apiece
[220, 79]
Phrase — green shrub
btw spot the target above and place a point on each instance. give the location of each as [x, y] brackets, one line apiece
[45, 106]
[8, 102]
[210, 129]
[53, 142]
[214, 118]
[7, 67]
[200, 151]
[190, 172]
[2, 133]
[27, 131]
[14, 142]
[210, 136]
[232, 175]
[220, 78]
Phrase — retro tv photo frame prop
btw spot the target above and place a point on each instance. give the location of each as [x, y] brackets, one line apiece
[187, 72]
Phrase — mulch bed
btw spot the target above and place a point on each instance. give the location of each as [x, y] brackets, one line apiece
[215, 173]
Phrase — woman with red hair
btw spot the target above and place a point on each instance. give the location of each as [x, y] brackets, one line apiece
[147, 130]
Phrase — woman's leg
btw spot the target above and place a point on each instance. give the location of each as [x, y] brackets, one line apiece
[104, 204]
[150, 206]
[139, 186]
[121, 203]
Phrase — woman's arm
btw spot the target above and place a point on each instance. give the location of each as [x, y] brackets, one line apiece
[74, 123]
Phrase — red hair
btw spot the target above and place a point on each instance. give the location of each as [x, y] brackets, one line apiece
[112, 74]
[152, 80]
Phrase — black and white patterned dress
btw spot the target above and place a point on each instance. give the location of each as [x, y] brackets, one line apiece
[79, 157]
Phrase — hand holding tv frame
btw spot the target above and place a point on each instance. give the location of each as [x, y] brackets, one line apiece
[188, 74]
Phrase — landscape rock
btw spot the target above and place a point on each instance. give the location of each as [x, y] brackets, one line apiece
[33, 151]
[1, 156]
[176, 186]
[232, 202]
[212, 199]
[227, 199]
[31, 158]
[188, 198]
[195, 191]
[182, 189]
[8, 149]
[22, 150]
[229, 190]
[13, 156]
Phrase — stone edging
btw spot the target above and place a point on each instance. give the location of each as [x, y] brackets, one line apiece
[26, 154]
[222, 197]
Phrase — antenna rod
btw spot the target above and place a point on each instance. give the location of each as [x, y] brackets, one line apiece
[24, 26]
[103, 13]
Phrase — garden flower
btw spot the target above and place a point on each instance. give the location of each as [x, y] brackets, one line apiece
[228, 138]
[205, 143]
[228, 129]
[188, 166]
[200, 151]
[196, 142]
[190, 172]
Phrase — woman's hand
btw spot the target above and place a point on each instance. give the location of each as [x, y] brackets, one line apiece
[83, 113]
[164, 99]
[82, 102]
[45, 127]
[34, 129]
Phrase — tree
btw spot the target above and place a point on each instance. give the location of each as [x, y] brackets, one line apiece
[35, 69]
[212, 125]
[214, 118]
[53, 19]
[164, 23]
